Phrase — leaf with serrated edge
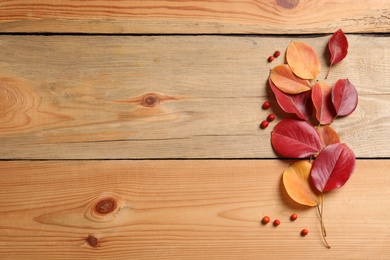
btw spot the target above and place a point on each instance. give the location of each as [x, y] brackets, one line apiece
[303, 60]
[344, 97]
[297, 184]
[285, 80]
[333, 167]
[295, 139]
[298, 104]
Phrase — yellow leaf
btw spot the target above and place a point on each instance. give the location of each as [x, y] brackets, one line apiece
[297, 184]
[303, 60]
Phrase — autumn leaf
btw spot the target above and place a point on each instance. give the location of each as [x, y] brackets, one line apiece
[344, 97]
[338, 48]
[298, 104]
[321, 95]
[285, 80]
[297, 183]
[303, 60]
[295, 139]
[328, 136]
[333, 167]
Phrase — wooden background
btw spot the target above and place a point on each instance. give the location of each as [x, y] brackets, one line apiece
[130, 130]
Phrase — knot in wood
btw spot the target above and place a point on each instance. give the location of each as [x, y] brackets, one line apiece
[105, 206]
[92, 241]
[288, 4]
[150, 100]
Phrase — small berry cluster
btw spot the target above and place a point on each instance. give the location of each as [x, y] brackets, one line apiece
[277, 222]
[270, 117]
[276, 54]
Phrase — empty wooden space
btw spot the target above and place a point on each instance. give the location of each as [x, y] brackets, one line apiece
[168, 96]
[210, 16]
[130, 130]
[184, 209]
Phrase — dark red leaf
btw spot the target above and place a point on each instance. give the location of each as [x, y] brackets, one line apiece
[321, 95]
[338, 48]
[344, 97]
[333, 167]
[298, 104]
[295, 139]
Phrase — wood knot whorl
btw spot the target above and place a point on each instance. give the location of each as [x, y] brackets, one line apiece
[92, 241]
[18, 103]
[105, 206]
[288, 4]
[150, 100]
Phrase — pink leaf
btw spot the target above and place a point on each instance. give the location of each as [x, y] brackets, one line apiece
[338, 48]
[344, 97]
[298, 104]
[333, 167]
[295, 139]
[322, 100]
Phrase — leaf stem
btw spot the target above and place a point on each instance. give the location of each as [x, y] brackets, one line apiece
[327, 74]
[323, 229]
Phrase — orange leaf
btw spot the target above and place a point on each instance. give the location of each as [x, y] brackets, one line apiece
[303, 60]
[285, 80]
[297, 184]
[328, 135]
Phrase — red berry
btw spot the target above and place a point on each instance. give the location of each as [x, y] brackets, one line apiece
[265, 220]
[276, 223]
[271, 117]
[264, 124]
[266, 105]
[270, 58]
[276, 54]
[293, 217]
[304, 232]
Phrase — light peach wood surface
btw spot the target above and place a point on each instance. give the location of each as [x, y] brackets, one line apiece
[72, 97]
[190, 209]
[89, 87]
[194, 17]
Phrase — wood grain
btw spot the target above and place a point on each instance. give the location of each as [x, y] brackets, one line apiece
[195, 17]
[72, 97]
[190, 209]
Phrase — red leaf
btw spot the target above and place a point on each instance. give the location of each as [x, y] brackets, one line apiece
[338, 48]
[298, 104]
[321, 95]
[344, 97]
[333, 167]
[285, 80]
[295, 139]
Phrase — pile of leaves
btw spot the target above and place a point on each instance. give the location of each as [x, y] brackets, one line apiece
[315, 105]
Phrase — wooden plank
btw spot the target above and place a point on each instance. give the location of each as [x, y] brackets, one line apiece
[184, 209]
[67, 97]
[194, 17]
